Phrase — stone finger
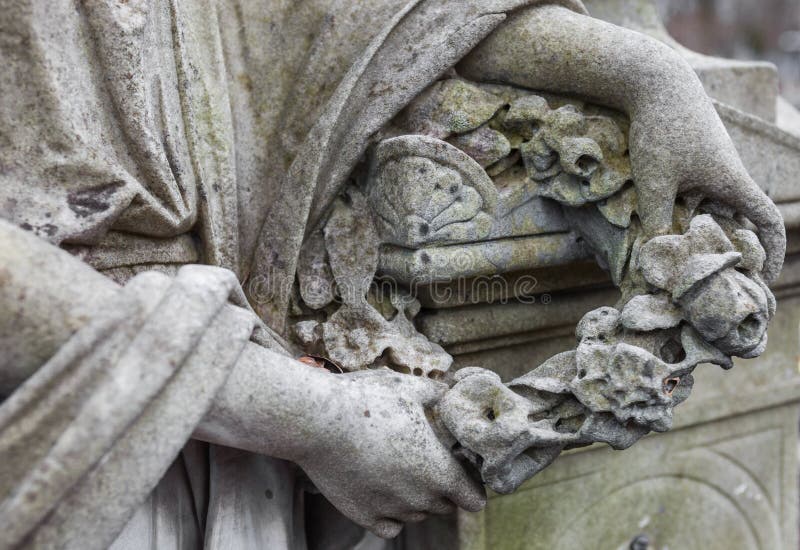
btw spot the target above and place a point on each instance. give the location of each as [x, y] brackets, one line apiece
[386, 528]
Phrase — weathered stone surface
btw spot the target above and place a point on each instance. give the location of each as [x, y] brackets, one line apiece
[433, 112]
[426, 191]
[638, 390]
[307, 155]
[736, 434]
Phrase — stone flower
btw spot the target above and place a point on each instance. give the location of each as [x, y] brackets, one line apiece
[615, 388]
[715, 282]
[577, 159]
[448, 107]
[637, 378]
[507, 436]
[357, 336]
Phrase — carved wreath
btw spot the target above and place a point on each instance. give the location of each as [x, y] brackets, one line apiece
[448, 170]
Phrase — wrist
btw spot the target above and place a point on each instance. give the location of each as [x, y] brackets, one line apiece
[276, 406]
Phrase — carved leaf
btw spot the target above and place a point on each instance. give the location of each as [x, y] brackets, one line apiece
[650, 312]
[427, 191]
[619, 208]
[352, 244]
[485, 145]
[449, 107]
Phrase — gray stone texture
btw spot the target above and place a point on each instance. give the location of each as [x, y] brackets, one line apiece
[211, 208]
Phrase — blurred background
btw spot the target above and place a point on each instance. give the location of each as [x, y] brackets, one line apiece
[741, 29]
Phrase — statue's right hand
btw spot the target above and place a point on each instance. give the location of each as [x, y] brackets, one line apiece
[381, 462]
[679, 144]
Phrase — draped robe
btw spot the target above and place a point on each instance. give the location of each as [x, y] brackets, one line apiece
[145, 136]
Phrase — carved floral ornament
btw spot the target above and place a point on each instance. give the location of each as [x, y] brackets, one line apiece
[450, 169]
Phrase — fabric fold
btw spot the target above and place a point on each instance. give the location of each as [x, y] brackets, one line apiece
[90, 434]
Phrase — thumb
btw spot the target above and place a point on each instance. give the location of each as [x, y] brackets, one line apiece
[656, 187]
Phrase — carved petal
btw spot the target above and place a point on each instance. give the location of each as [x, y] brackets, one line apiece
[526, 114]
[564, 121]
[705, 235]
[552, 376]
[677, 262]
[598, 323]
[580, 155]
[485, 145]
[702, 266]
[605, 181]
[650, 312]
[564, 188]
[540, 159]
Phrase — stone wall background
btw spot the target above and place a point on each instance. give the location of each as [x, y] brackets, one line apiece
[741, 29]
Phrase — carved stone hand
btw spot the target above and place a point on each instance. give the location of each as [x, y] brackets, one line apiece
[380, 461]
[677, 141]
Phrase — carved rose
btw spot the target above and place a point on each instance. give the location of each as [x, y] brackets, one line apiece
[714, 283]
[507, 436]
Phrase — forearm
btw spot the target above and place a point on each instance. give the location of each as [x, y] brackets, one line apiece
[46, 295]
[551, 48]
[677, 141]
[274, 405]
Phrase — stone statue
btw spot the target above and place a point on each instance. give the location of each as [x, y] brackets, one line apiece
[197, 198]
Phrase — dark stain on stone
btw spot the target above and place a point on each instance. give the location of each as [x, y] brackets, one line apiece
[48, 229]
[88, 202]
